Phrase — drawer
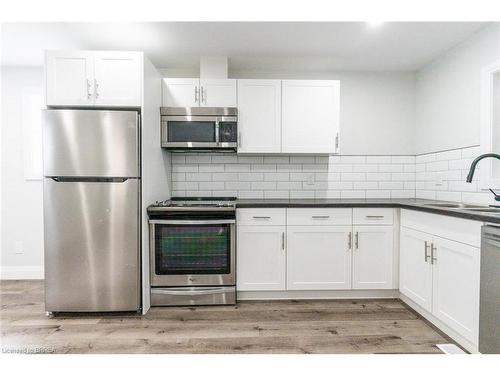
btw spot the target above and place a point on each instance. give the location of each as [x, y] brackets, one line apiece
[375, 216]
[261, 216]
[319, 216]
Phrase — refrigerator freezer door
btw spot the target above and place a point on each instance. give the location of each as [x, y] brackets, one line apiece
[91, 246]
[90, 143]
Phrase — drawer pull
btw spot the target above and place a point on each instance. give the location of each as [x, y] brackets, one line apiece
[374, 216]
[261, 217]
[321, 217]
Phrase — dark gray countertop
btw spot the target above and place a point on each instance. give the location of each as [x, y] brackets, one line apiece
[412, 204]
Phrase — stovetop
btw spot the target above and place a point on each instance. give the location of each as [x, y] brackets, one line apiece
[196, 202]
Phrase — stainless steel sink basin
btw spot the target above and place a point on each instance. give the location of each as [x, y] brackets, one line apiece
[461, 206]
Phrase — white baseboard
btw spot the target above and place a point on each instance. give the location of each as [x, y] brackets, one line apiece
[316, 294]
[22, 273]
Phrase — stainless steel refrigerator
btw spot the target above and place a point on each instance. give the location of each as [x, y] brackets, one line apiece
[91, 193]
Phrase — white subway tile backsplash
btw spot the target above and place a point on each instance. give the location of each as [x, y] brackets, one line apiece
[211, 185]
[432, 176]
[276, 176]
[378, 159]
[224, 176]
[251, 176]
[211, 168]
[289, 167]
[237, 168]
[198, 176]
[301, 194]
[263, 185]
[263, 167]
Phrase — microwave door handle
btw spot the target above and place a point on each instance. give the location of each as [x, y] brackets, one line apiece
[217, 132]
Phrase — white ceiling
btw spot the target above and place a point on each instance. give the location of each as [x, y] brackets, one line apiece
[392, 46]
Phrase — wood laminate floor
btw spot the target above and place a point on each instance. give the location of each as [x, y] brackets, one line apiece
[341, 326]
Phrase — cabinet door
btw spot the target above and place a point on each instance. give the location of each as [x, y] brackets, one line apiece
[318, 257]
[259, 116]
[310, 116]
[261, 258]
[69, 78]
[118, 78]
[181, 92]
[456, 286]
[372, 257]
[218, 93]
[415, 269]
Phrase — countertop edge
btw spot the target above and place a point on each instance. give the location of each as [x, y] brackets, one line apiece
[458, 213]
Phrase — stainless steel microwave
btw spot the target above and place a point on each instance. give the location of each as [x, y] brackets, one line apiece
[199, 129]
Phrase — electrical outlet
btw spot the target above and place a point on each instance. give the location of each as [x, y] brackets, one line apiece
[19, 247]
[310, 179]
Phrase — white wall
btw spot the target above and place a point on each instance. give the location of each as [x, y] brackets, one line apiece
[377, 110]
[448, 93]
[22, 216]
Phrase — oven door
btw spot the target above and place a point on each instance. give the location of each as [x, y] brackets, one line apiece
[192, 252]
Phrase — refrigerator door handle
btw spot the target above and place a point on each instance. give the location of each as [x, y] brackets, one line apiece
[89, 179]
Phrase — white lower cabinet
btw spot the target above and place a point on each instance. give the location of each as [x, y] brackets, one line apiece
[455, 298]
[318, 257]
[261, 258]
[442, 276]
[415, 269]
[372, 257]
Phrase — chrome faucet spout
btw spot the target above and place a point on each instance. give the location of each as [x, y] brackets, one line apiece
[477, 160]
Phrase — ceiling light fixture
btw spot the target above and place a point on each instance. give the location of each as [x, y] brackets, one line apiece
[374, 24]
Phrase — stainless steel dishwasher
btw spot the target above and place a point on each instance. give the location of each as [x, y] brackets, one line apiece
[489, 310]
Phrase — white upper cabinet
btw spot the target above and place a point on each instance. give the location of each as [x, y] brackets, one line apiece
[310, 116]
[117, 78]
[93, 78]
[318, 258]
[455, 298]
[181, 92]
[259, 116]
[372, 257]
[218, 92]
[195, 92]
[415, 272]
[69, 78]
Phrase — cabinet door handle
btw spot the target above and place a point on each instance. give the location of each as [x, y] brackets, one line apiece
[96, 86]
[357, 240]
[196, 94]
[262, 217]
[426, 254]
[433, 251]
[321, 217]
[349, 241]
[203, 95]
[239, 139]
[283, 241]
[374, 217]
[337, 142]
[89, 94]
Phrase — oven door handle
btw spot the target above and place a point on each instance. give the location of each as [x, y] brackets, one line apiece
[192, 292]
[192, 222]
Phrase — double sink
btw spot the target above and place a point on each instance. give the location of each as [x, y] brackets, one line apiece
[464, 207]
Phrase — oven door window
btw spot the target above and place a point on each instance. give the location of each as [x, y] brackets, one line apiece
[191, 131]
[192, 249]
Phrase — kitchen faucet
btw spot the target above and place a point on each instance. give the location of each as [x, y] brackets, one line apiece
[473, 168]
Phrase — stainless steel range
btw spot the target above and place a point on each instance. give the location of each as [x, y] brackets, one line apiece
[193, 248]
